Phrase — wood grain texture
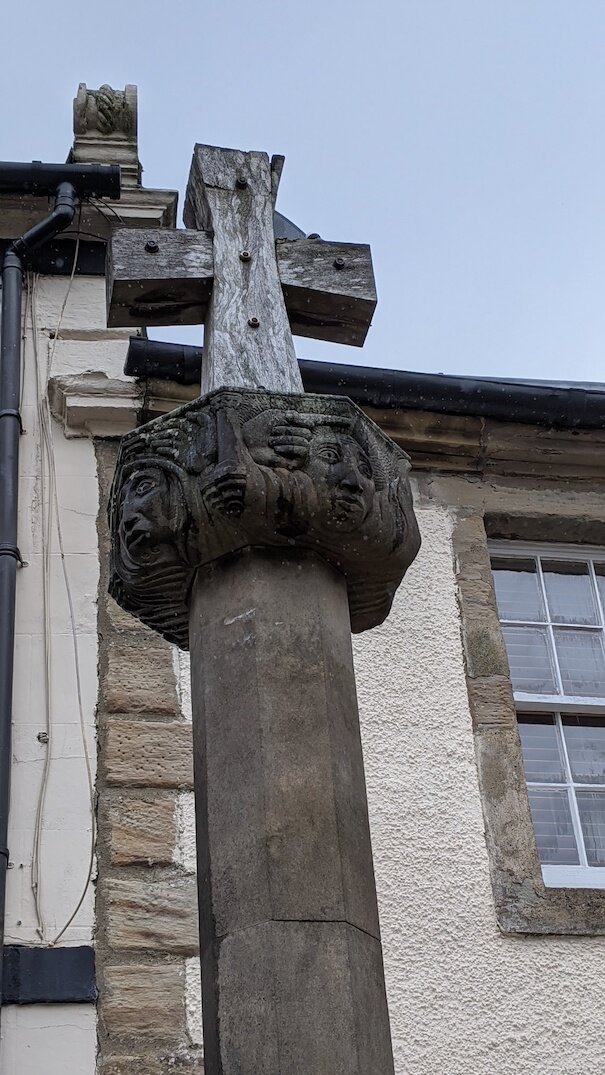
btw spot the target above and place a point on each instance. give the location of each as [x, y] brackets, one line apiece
[233, 193]
[171, 286]
[329, 289]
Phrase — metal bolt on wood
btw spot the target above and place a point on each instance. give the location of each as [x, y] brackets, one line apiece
[151, 247]
[245, 255]
[253, 322]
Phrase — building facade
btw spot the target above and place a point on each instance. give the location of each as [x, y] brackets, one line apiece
[488, 858]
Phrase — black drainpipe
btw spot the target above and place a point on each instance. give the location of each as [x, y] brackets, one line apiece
[67, 183]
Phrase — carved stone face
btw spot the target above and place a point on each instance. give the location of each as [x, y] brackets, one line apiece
[146, 527]
[339, 464]
[245, 469]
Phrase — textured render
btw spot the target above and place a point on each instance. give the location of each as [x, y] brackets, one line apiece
[463, 999]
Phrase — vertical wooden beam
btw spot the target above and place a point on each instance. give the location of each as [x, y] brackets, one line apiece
[247, 337]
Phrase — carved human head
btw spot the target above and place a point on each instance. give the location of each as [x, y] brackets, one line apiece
[343, 476]
[152, 514]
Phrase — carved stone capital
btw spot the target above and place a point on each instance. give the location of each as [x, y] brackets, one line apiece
[244, 467]
[105, 130]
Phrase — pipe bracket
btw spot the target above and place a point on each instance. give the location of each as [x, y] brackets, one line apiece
[7, 413]
[12, 550]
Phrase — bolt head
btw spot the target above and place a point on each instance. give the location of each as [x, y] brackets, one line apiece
[339, 263]
[253, 322]
[151, 247]
[241, 182]
[245, 255]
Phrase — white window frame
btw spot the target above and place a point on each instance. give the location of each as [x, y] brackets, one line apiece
[582, 876]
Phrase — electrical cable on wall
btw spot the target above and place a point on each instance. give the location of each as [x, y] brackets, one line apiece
[51, 513]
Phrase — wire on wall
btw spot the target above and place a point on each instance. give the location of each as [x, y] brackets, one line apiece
[51, 522]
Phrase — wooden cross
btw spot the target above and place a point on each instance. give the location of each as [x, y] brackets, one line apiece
[228, 272]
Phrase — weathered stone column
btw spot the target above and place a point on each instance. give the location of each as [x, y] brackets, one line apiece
[291, 959]
[258, 529]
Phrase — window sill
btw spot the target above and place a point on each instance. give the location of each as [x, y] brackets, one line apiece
[573, 876]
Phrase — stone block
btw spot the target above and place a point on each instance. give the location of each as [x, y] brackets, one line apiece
[143, 753]
[123, 622]
[484, 648]
[151, 915]
[491, 702]
[172, 1063]
[140, 679]
[142, 832]
[144, 1000]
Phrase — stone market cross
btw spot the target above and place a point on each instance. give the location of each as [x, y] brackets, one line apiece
[258, 526]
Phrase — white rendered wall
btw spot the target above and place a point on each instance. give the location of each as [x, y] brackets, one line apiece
[48, 1039]
[463, 999]
[55, 1038]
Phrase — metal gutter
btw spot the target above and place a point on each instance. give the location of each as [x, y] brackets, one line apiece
[562, 406]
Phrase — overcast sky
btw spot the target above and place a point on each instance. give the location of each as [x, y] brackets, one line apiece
[463, 139]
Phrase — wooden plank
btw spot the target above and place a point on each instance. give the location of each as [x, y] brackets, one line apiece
[173, 285]
[170, 285]
[329, 289]
[247, 338]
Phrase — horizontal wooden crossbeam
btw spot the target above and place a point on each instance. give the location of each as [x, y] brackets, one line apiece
[164, 277]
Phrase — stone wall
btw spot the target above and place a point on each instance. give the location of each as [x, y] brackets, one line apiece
[146, 899]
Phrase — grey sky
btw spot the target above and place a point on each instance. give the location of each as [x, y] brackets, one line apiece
[463, 139]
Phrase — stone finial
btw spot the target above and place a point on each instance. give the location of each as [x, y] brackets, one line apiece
[247, 468]
[105, 130]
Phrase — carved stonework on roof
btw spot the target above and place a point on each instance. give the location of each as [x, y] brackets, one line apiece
[106, 111]
[241, 468]
[105, 130]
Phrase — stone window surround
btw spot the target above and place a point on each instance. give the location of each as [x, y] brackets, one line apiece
[523, 903]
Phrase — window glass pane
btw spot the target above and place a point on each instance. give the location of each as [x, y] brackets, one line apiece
[585, 739]
[591, 805]
[529, 659]
[553, 828]
[569, 592]
[582, 662]
[599, 570]
[540, 747]
[517, 589]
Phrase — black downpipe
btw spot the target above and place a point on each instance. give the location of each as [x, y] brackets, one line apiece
[10, 429]
[68, 182]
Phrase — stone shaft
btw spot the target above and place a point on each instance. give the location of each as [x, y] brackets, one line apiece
[292, 973]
